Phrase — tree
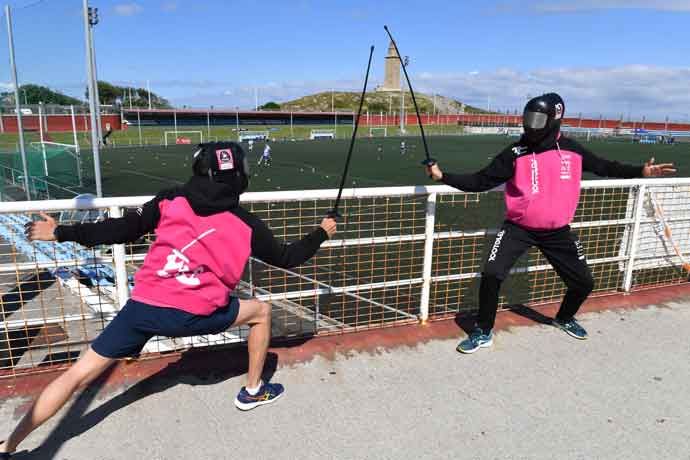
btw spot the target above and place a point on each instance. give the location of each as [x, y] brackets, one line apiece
[270, 106]
[108, 94]
[33, 94]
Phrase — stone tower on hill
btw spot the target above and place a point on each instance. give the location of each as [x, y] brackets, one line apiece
[391, 80]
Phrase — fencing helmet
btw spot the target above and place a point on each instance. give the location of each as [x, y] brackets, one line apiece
[223, 162]
[542, 117]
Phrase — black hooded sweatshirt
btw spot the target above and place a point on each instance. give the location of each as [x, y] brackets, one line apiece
[206, 198]
[502, 167]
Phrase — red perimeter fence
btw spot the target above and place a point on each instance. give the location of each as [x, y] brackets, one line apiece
[62, 123]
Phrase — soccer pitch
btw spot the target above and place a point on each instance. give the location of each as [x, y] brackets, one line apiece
[376, 162]
[386, 234]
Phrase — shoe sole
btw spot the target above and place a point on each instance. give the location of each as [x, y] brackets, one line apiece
[558, 326]
[469, 352]
[249, 406]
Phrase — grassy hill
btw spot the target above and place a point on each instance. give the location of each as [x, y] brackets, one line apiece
[375, 102]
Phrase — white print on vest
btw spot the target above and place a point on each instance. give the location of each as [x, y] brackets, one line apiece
[565, 167]
[580, 250]
[535, 175]
[497, 245]
[177, 264]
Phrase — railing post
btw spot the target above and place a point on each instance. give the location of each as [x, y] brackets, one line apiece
[428, 256]
[121, 281]
[632, 247]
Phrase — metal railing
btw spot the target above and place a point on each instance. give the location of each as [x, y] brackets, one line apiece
[402, 254]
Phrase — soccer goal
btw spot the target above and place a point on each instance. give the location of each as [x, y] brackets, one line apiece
[378, 132]
[253, 136]
[322, 134]
[184, 137]
[61, 162]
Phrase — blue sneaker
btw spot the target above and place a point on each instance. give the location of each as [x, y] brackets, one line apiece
[268, 393]
[475, 341]
[571, 327]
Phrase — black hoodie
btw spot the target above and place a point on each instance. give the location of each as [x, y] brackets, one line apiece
[502, 167]
[205, 197]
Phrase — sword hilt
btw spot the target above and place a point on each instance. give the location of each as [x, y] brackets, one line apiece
[333, 214]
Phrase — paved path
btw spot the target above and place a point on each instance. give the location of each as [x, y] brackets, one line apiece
[624, 394]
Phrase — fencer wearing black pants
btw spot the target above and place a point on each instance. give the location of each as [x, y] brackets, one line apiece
[560, 247]
[542, 173]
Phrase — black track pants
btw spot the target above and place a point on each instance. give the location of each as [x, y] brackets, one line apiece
[560, 247]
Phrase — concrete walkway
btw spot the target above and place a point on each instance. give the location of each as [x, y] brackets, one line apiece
[538, 394]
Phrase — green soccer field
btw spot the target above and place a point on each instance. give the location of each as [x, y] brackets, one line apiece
[376, 162]
[299, 165]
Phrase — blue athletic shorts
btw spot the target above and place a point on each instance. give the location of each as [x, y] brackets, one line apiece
[137, 322]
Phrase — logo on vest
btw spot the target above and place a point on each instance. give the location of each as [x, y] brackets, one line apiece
[179, 265]
[565, 167]
[535, 175]
[496, 246]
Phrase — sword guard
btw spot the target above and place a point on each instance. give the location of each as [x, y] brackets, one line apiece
[333, 214]
[429, 162]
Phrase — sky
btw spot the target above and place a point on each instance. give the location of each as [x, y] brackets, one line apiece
[611, 57]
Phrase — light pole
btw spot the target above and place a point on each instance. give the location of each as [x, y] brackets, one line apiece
[93, 22]
[20, 127]
[90, 20]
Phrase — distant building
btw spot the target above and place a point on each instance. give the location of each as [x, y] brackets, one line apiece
[391, 80]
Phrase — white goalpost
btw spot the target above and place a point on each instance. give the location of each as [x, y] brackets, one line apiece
[322, 134]
[71, 149]
[182, 137]
[378, 132]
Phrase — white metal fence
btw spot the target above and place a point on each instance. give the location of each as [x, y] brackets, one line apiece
[401, 254]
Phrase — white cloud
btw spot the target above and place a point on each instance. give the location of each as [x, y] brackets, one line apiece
[128, 9]
[571, 6]
[6, 86]
[588, 5]
[220, 94]
[640, 90]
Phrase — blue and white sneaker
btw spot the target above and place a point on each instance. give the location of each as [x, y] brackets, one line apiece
[477, 339]
[268, 393]
[571, 327]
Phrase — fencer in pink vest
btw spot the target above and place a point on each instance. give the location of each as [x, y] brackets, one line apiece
[203, 240]
[541, 173]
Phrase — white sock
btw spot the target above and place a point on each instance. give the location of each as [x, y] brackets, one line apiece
[254, 391]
